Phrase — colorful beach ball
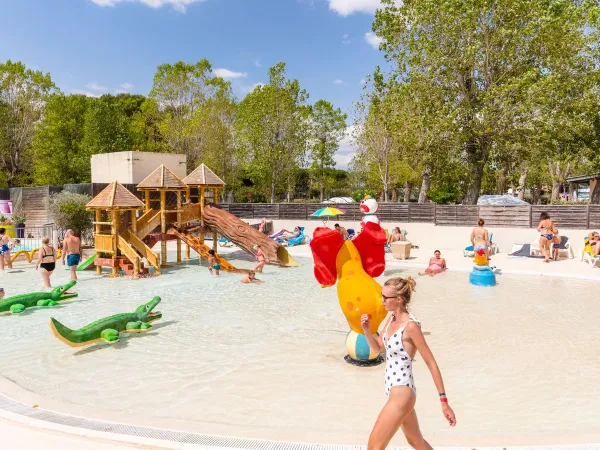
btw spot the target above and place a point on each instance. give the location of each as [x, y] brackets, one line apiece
[358, 348]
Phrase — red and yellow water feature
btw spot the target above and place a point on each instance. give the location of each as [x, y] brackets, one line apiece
[353, 265]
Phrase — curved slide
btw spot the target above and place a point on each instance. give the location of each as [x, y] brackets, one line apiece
[245, 236]
[203, 249]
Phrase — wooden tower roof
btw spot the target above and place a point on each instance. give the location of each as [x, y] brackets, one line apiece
[162, 178]
[203, 176]
[115, 196]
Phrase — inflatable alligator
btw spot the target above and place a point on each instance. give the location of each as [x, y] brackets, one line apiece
[19, 303]
[109, 328]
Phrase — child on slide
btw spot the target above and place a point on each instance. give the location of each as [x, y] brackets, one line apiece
[213, 263]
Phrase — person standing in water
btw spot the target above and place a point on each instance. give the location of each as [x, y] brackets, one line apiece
[213, 263]
[46, 260]
[401, 339]
[71, 249]
[262, 260]
[6, 245]
[480, 238]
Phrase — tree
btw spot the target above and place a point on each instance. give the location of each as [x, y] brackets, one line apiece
[106, 127]
[481, 58]
[328, 126]
[272, 129]
[59, 155]
[23, 93]
[145, 127]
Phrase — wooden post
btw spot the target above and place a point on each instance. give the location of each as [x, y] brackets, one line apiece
[98, 231]
[216, 202]
[134, 221]
[202, 214]
[163, 227]
[179, 224]
[116, 217]
[147, 201]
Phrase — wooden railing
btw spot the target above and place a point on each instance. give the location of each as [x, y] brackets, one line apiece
[143, 249]
[128, 251]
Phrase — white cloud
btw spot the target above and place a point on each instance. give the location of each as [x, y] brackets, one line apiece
[82, 92]
[347, 149]
[373, 40]
[127, 87]
[257, 62]
[229, 74]
[177, 5]
[346, 39]
[95, 86]
[363, 82]
[247, 88]
[338, 81]
[347, 7]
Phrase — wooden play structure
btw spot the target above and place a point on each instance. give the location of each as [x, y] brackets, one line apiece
[188, 222]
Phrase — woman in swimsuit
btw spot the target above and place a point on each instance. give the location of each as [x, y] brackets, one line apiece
[402, 338]
[480, 238]
[594, 239]
[262, 260]
[6, 245]
[46, 260]
[546, 230]
[396, 236]
[437, 264]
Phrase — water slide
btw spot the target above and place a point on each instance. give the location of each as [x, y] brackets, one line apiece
[88, 263]
[245, 236]
[203, 249]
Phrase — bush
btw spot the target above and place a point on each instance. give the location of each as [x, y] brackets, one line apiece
[444, 194]
[68, 210]
[357, 196]
[246, 194]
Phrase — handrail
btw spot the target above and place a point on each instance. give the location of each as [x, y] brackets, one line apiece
[129, 251]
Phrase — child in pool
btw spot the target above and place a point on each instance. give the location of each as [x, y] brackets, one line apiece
[213, 263]
[251, 278]
[262, 260]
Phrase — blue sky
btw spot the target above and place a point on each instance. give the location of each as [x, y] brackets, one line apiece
[111, 46]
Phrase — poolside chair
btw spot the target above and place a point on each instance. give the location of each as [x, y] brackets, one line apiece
[564, 248]
[351, 233]
[535, 247]
[224, 242]
[588, 255]
[300, 239]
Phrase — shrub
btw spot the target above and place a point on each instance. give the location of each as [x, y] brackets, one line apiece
[444, 194]
[357, 196]
[247, 194]
[68, 210]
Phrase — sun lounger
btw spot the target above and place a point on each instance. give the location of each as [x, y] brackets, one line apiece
[588, 255]
[564, 248]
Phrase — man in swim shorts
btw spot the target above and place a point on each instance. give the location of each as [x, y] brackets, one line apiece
[71, 250]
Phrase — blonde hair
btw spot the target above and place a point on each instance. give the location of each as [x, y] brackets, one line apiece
[404, 287]
[46, 240]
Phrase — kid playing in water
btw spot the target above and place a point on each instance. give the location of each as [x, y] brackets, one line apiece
[251, 278]
[437, 264]
[262, 260]
[213, 263]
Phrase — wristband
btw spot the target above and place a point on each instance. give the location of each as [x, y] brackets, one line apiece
[443, 400]
[442, 394]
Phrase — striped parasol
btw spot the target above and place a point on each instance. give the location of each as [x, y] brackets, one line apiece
[328, 212]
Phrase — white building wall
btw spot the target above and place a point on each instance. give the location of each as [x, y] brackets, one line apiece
[133, 167]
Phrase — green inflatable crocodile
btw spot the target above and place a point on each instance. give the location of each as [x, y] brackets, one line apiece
[19, 303]
[109, 328]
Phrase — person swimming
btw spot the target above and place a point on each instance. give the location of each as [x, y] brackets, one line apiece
[213, 262]
[401, 339]
[437, 264]
[251, 278]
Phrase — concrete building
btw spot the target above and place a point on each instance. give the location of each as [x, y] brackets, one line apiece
[133, 167]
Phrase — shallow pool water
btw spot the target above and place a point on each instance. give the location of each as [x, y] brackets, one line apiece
[520, 359]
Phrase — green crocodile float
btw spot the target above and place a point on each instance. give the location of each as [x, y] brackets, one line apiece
[19, 303]
[109, 328]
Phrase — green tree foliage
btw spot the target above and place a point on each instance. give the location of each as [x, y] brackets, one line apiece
[68, 210]
[327, 128]
[23, 93]
[272, 128]
[59, 157]
[106, 126]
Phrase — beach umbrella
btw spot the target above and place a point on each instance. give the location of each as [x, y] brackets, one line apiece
[328, 212]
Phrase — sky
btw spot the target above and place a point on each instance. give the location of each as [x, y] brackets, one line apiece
[112, 46]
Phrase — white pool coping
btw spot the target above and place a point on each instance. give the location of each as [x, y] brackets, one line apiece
[45, 419]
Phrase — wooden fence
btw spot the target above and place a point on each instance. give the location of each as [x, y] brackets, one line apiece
[565, 216]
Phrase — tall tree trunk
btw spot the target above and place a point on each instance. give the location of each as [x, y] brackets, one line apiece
[558, 174]
[407, 190]
[425, 183]
[273, 191]
[535, 193]
[555, 198]
[522, 183]
[502, 182]
[595, 193]
[394, 194]
[475, 156]
[572, 192]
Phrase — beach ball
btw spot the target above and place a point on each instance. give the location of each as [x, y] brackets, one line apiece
[358, 348]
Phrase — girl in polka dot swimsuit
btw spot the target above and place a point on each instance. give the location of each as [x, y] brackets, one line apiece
[401, 339]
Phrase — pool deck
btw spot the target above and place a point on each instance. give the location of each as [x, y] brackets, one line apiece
[58, 425]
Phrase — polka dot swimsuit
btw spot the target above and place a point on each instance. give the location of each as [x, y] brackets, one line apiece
[398, 365]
